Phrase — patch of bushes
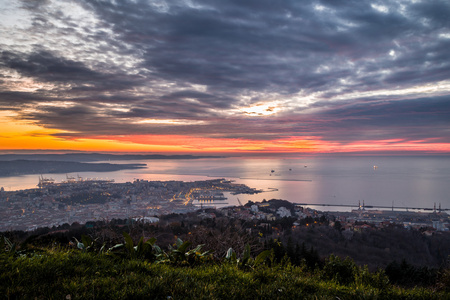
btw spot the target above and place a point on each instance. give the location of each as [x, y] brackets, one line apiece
[142, 271]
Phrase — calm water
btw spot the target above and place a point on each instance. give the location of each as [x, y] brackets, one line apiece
[402, 181]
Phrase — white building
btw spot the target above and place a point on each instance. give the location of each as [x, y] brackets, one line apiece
[283, 212]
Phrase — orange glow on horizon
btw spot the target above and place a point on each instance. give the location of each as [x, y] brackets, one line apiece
[28, 136]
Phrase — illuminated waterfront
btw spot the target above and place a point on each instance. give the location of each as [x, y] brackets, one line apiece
[398, 181]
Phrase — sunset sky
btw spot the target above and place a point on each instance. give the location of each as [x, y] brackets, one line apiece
[222, 76]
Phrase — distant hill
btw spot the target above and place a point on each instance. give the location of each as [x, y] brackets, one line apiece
[24, 167]
[85, 157]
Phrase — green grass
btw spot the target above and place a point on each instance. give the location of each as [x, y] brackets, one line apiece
[56, 274]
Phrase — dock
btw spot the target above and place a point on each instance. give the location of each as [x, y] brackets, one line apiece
[362, 207]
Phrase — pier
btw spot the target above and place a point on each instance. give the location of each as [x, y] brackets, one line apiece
[363, 207]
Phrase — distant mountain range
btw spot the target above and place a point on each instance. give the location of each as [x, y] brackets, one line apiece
[87, 157]
[23, 164]
[25, 167]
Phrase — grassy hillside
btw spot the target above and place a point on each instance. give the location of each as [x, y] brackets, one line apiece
[230, 257]
[143, 271]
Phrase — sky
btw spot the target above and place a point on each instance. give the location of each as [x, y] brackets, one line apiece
[225, 76]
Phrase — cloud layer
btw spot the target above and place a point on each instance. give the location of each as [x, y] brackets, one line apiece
[331, 71]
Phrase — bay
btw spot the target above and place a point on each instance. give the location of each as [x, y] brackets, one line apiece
[377, 181]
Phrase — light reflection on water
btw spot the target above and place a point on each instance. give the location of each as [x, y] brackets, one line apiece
[402, 181]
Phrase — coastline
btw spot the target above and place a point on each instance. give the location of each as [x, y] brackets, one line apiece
[404, 182]
[32, 167]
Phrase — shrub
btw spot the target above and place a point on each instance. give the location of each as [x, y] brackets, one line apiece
[341, 271]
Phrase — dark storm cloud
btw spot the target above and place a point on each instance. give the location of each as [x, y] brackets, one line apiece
[268, 46]
[205, 100]
[435, 11]
[199, 60]
[46, 67]
[18, 98]
[226, 47]
[409, 119]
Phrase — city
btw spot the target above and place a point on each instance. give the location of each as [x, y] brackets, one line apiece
[53, 204]
[81, 201]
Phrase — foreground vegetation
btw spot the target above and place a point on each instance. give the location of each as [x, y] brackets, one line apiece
[142, 270]
[213, 254]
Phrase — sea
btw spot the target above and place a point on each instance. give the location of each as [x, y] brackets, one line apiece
[323, 183]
